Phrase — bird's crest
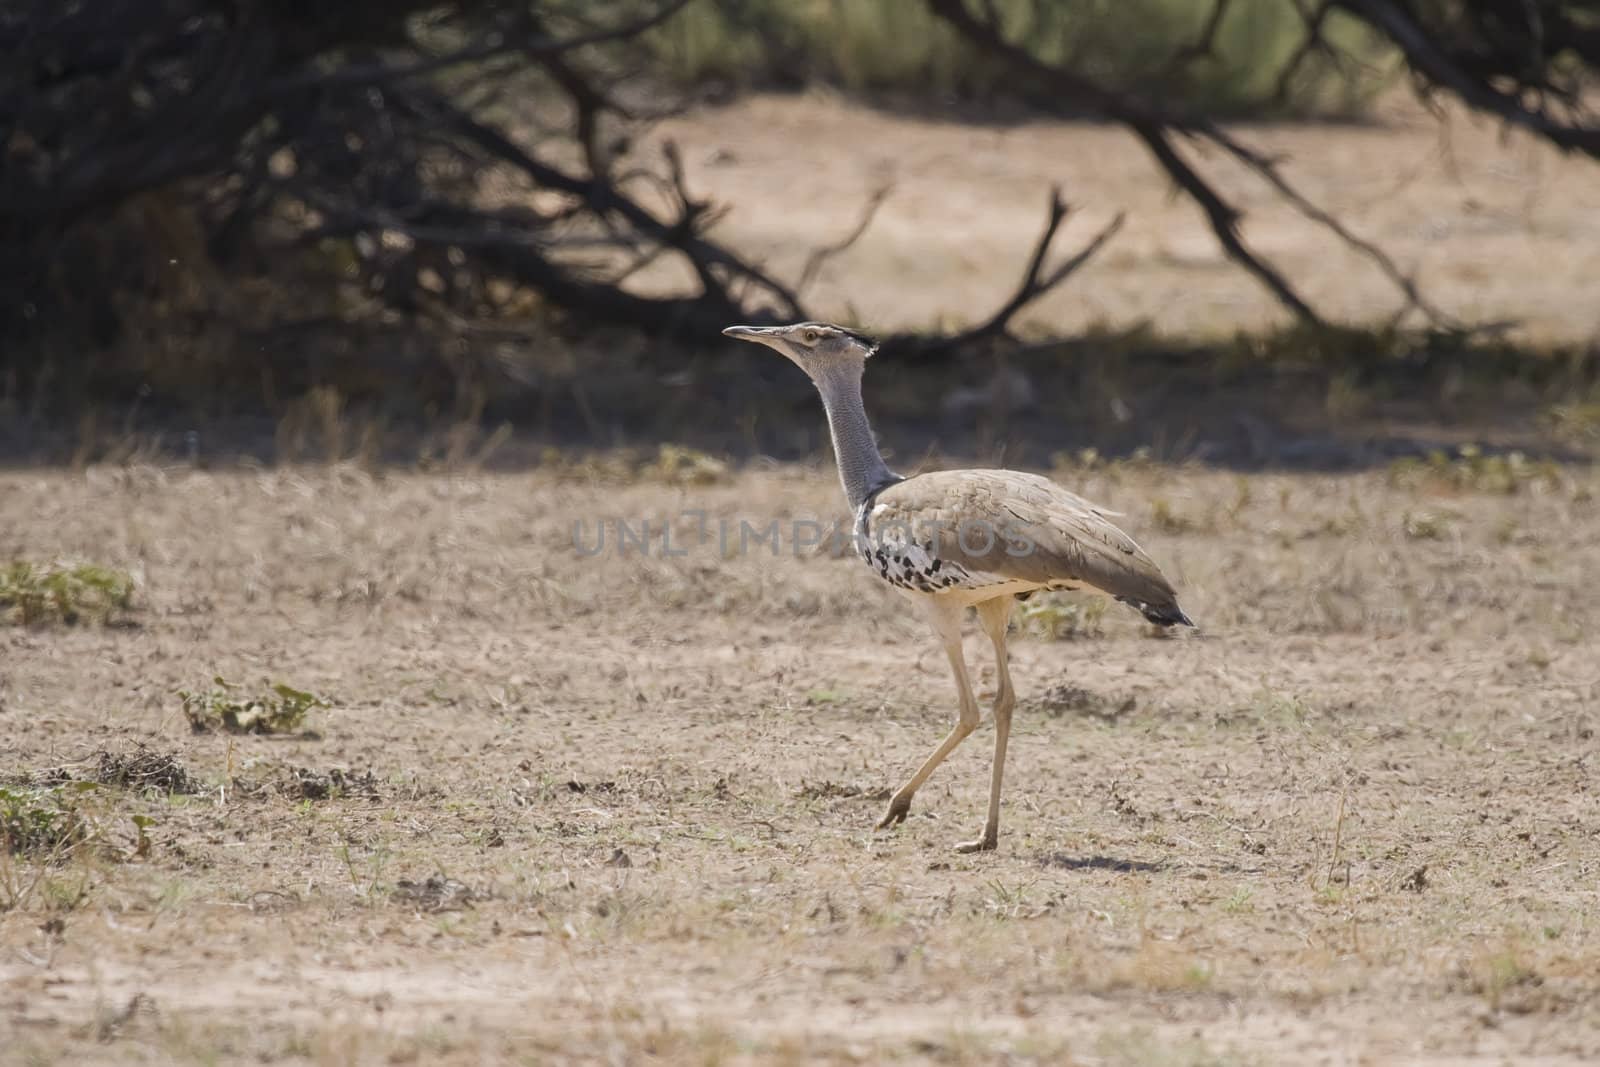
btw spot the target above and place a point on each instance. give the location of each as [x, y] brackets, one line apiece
[870, 345]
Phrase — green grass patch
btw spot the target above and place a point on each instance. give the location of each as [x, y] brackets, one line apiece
[34, 594]
[282, 709]
[1060, 617]
[42, 823]
[897, 45]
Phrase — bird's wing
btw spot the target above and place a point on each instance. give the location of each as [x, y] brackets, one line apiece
[1021, 527]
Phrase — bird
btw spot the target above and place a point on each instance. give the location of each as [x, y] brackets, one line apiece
[957, 539]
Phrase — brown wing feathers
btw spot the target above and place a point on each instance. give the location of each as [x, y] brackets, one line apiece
[1025, 527]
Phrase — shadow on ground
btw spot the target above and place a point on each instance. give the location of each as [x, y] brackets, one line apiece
[1316, 401]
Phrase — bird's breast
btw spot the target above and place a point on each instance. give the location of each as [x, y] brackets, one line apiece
[905, 562]
[910, 566]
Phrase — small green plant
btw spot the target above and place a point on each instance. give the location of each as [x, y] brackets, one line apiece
[1061, 619]
[366, 877]
[281, 710]
[31, 594]
[41, 823]
[1007, 901]
[1239, 903]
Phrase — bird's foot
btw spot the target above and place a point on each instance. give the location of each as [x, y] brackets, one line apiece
[899, 806]
[986, 843]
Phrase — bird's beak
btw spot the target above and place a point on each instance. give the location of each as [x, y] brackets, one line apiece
[759, 334]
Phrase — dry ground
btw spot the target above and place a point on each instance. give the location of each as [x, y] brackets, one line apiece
[620, 808]
[1495, 225]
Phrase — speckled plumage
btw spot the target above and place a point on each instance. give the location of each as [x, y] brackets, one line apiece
[905, 562]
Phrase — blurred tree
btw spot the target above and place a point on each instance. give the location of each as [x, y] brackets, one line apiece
[1525, 61]
[148, 144]
[196, 180]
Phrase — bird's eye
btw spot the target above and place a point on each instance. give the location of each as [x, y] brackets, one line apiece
[811, 337]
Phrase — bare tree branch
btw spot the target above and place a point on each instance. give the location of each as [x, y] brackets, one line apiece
[1204, 45]
[1314, 42]
[820, 256]
[1155, 128]
[1036, 282]
[1223, 216]
[1150, 126]
[1428, 59]
[604, 198]
[1268, 171]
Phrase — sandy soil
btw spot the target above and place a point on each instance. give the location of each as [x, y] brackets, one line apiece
[621, 806]
[1494, 225]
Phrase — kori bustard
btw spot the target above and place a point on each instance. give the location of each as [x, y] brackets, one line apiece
[958, 539]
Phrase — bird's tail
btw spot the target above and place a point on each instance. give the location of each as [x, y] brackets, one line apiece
[1168, 614]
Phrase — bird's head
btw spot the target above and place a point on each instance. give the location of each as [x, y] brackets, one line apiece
[818, 348]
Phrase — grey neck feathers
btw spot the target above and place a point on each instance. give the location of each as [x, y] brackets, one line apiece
[861, 467]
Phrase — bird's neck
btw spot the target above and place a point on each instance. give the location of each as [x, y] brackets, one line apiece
[862, 471]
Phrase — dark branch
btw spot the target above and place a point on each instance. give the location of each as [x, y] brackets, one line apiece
[821, 255]
[1314, 43]
[1205, 45]
[1267, 170]
[1150, 126]
[604, 198]
[1427, 58]
[1036, 282]
[1224, 218]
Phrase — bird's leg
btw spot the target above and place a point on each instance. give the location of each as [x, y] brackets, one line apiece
[946, 619]
[995, 616]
